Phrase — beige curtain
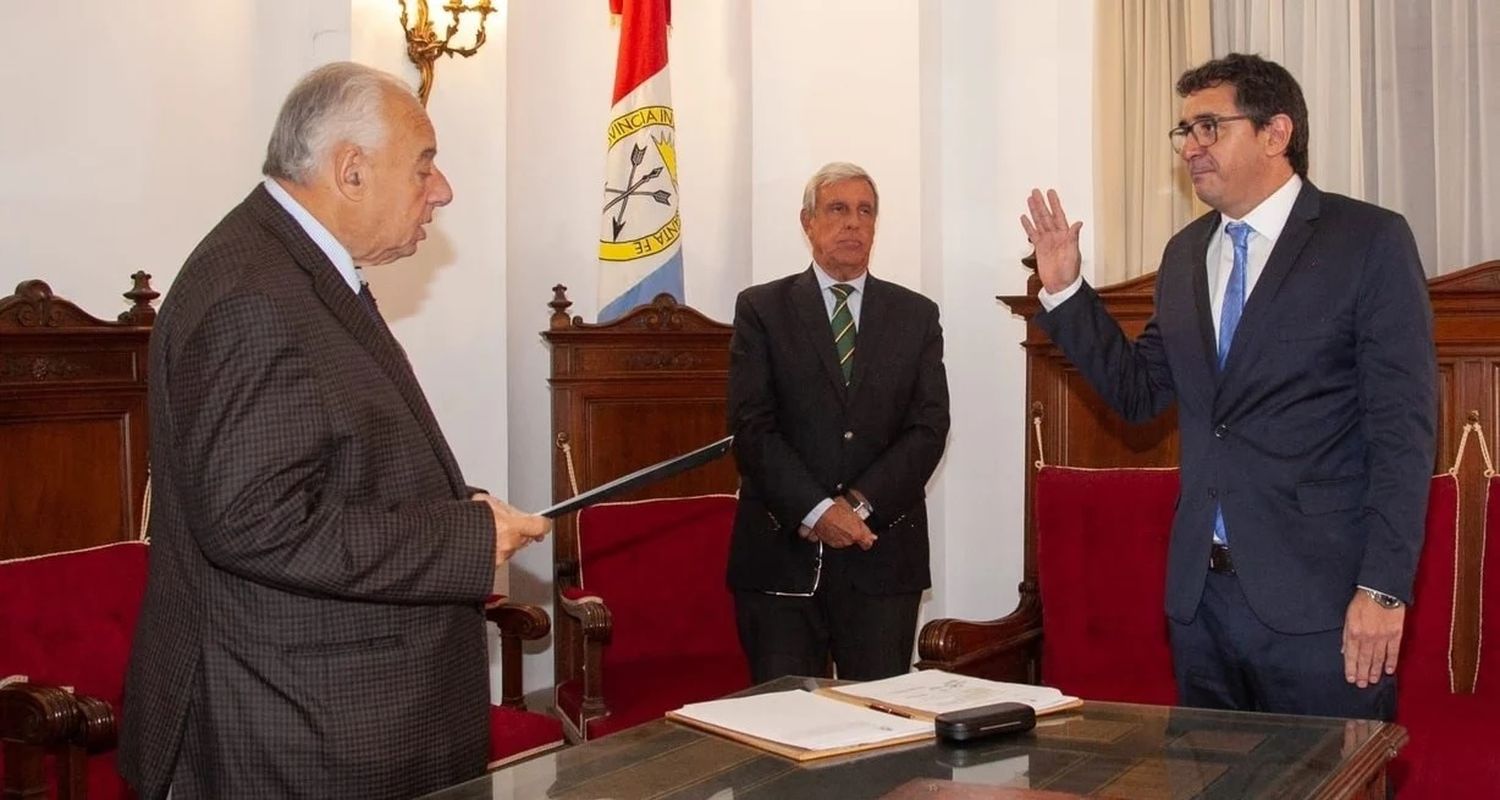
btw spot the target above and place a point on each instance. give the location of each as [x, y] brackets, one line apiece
[1141, 194]
[1403, 103]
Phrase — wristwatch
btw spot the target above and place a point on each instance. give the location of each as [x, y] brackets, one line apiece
[862, 508]
[1384, 600]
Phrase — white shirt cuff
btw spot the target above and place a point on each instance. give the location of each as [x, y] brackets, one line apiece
[811, 520]
[1051, 301]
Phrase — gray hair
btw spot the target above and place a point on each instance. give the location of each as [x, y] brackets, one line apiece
[833, 172]
[338, 102]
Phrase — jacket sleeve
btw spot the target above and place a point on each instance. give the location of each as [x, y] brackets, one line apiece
[1397, 364]
[782, 480]
[255, 450]
[1132, 376]
[897, 479]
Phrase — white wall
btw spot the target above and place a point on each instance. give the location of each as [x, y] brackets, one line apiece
[129, 148]
[129, 134]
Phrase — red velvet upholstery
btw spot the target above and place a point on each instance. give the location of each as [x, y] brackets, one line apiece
[1452, 750]
[658, 566]
[68, 621]
[1101, 545]
[1487, 684]
[515, 734]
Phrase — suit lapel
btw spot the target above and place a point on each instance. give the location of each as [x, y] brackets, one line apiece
[874, 326]
[807, 299]
[1202, 301]
[1294, 237]
[348, 309]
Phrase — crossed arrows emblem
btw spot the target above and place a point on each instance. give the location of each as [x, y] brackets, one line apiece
[633, 189]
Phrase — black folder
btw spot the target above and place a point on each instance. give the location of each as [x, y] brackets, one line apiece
[641, 477]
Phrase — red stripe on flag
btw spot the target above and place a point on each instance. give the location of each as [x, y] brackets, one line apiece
[643, 41]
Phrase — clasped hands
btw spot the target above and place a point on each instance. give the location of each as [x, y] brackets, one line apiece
[513, 529]
[839, 527]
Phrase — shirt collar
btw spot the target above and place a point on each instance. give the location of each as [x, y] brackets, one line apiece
[342, 261]
[1268, 218]
[825, 281]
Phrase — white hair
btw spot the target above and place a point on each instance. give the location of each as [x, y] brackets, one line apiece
[338, 102]
[833, 172]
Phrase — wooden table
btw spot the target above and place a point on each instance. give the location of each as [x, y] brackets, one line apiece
[1103, 750]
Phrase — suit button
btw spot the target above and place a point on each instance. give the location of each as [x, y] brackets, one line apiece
[1213, 493]
[1221, 431]
[848, 435]
[839, 488]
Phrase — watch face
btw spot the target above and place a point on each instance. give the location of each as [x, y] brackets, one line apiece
[1384, 600]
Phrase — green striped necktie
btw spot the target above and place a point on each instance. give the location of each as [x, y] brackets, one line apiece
[843, 328]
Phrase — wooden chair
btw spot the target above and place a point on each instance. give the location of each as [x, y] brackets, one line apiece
[73, 428]
[645, 387]
[656, 616]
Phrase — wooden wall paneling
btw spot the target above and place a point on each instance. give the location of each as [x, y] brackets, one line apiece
[73, 420]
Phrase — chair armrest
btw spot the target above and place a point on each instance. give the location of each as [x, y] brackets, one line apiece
[517, 622]
[36, 714]
[37, 720]
[1004, 649]
[597, 626]
[522, 620]
[591, 613]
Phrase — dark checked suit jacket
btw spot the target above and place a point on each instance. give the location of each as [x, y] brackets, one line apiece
[312, 624]
[801, 435]
[1317, 436]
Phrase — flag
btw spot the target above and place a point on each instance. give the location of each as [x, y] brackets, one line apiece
[640, 252]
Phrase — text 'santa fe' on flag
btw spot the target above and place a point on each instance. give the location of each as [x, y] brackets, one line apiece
[640, 249]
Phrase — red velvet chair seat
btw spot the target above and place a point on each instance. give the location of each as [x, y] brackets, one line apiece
[1101, 547]
[657, 566]
[1452, 749]
[68, 621]
[516, 734]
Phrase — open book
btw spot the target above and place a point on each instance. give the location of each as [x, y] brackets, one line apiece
[830, 721]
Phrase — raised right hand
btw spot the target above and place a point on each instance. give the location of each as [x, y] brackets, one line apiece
[513, 529]
[1057, 255]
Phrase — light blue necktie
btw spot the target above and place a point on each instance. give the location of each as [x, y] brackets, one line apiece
[1229, 320]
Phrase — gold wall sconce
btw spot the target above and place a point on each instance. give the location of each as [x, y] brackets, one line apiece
[424, 46]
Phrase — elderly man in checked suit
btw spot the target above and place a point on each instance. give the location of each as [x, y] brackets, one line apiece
[313, 622]
[839, 406]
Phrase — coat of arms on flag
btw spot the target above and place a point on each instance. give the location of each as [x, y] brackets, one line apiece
[640, 253]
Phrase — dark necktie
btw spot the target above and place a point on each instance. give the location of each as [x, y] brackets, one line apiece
[1229, 320]
[369, 303]
[843, 328]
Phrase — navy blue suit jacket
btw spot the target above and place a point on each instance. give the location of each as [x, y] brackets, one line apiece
[1317, 436]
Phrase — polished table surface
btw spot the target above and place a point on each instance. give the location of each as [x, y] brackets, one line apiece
[1102, 750]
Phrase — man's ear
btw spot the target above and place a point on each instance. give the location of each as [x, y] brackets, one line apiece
[806, 217]
[1278, 135]
[350, 171]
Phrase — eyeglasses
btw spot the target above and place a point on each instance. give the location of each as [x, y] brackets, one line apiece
[1205, 131]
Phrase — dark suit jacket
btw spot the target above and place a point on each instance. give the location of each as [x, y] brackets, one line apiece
[1317, 437]
[801, 435]
[312, 624]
